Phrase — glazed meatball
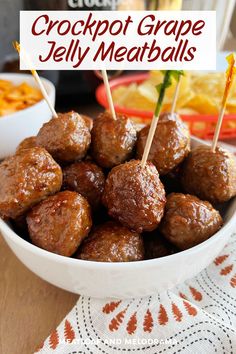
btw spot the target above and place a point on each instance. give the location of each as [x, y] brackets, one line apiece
[87, 179]
[113, 141]
[135, 196]
[25, 179]
[88, 121]
[27, 143]
[60, 223]
[188, 220]
[66, 138]
[210, 175]
[170, 145]
[112, 242]
[156, 245]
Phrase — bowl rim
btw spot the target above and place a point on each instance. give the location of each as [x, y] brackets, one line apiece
[49, 86]
[7, 230]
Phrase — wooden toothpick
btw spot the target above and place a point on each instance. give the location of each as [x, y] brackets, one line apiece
[230, 73]
[217, 129]
[108, 93]
[148, 144]
[168, 75]
[161, 89]
[23, 55]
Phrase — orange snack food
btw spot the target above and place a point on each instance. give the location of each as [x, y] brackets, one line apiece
[14, 98]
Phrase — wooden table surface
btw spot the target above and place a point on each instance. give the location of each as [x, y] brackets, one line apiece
[30, 308]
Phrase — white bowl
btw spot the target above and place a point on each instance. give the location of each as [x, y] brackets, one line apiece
[121, 280]
[19, 125]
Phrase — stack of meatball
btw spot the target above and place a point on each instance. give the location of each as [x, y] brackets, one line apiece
[78, 188]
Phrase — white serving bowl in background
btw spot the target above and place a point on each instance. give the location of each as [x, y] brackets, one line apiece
[19, 125]
[121, 280]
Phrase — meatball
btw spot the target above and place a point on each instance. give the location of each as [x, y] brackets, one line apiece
[188, 220]
[112, 242]
[210, 175]
[87, 179]
[156, 245]
[113, 141]
[25, 179]
[66, 138]
[170, 145]
[60, 223]
[27, 143]
[88, 121]
[135, 196]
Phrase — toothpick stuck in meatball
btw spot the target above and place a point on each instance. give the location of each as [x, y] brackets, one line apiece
[170, 145]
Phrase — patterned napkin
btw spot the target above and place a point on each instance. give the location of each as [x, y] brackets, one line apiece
[196, 317]
[199, 316]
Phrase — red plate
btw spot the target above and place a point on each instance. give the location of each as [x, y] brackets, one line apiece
[204, 130]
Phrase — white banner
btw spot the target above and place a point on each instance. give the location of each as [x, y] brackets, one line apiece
[118, 40]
